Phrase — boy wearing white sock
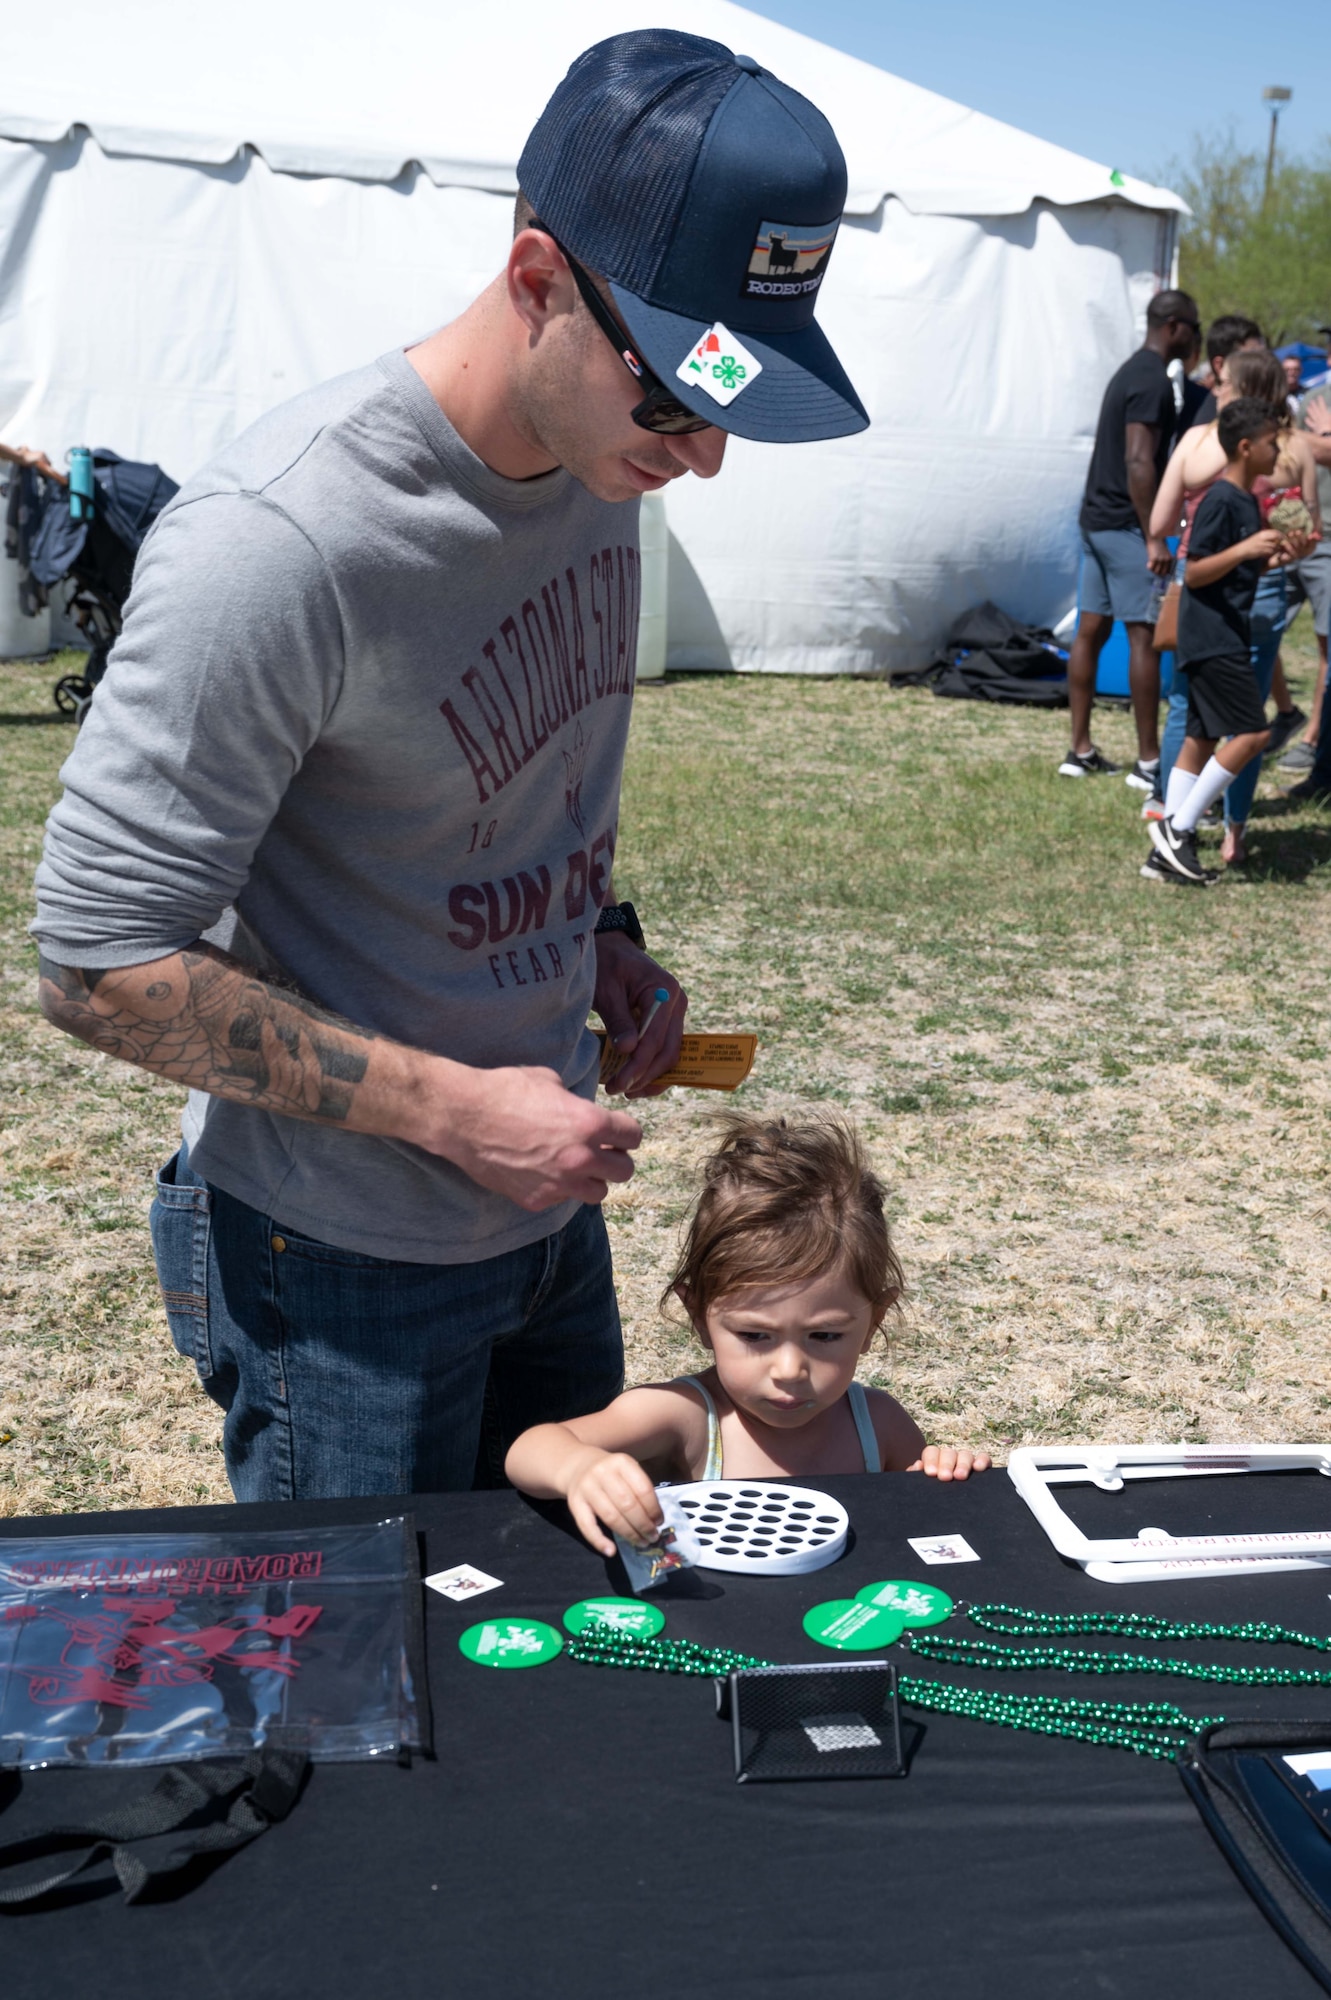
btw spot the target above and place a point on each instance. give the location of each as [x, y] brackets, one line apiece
[1227, 553]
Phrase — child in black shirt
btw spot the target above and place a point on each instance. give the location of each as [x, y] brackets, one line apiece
[1227, 553]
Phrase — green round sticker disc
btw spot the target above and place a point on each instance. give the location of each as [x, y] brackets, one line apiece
[915, 1603]
[621, 1614]
[852, 1627]
[510, 1642]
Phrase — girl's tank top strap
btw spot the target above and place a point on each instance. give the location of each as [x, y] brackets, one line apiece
[712, 1469]
[868, 1436]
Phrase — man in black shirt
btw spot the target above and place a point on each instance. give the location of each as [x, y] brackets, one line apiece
[1120, 558]
[1227, 552]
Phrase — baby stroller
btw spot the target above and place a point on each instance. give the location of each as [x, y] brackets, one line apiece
[86, 536]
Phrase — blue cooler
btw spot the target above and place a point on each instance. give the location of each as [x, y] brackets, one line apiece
[1111, 676]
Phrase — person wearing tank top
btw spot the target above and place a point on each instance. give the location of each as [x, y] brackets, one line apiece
[780, 1399]
[859, 1410]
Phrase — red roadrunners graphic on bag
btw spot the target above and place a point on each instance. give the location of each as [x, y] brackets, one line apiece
[120, 1648]
[788, 260]
[122, 1652]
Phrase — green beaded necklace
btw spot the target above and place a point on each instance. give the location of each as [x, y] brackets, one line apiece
[1013, 1622]
[1149, 1728]
[1016, 1623]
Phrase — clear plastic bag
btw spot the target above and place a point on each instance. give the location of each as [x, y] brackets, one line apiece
[145, 1649]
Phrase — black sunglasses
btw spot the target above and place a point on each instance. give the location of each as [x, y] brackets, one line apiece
[660, 409]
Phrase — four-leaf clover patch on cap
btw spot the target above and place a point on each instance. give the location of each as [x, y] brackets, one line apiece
[720, 365]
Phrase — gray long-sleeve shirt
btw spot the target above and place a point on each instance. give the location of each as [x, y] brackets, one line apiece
[365, 726]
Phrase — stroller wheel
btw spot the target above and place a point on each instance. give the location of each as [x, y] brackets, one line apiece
[72, 694]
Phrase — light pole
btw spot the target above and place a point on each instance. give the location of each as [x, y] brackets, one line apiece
[1275, 95]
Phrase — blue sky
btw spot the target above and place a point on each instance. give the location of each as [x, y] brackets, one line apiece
[1127, 84]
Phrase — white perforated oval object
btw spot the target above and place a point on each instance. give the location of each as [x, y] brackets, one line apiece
[762, 1528]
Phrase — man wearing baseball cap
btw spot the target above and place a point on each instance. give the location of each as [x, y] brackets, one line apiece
[336, 844]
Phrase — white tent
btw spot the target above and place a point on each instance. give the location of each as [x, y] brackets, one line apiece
[203, 211]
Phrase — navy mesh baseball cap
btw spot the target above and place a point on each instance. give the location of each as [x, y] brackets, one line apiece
[709, 195]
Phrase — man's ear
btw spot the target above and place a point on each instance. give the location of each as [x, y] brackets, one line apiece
[540, 284]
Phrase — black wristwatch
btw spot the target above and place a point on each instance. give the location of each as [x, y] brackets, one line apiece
[621, 917]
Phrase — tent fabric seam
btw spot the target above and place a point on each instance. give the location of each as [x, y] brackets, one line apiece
[489, 177]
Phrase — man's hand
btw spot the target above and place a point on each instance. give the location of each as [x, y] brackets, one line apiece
[947, 1461]
[1159, 555]
[626, 983]
[521, 1134]
[204, 1020]
[1317, 417]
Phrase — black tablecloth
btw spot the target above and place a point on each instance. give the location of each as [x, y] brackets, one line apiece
[580, 1831]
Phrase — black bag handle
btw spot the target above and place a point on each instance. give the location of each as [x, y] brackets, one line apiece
[149, 1838]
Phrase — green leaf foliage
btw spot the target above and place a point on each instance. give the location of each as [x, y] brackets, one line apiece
[1240, 253]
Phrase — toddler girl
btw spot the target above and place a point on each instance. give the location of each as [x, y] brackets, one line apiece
[787, 1272]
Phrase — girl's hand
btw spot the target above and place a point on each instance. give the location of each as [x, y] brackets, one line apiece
[611, 1490]
[950, 1461]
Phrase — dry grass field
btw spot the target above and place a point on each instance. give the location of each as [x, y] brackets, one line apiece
[1101, 1104]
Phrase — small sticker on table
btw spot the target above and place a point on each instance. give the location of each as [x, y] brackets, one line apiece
[852, 1627]
[619, 1614]
[943, 1549]
[510, 1642]
[916, 1603]
[464, 1580]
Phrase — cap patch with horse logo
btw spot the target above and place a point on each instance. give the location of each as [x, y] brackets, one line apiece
[788, 260]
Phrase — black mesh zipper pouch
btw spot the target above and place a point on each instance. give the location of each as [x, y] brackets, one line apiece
[835, 1721]
[1264, 1790]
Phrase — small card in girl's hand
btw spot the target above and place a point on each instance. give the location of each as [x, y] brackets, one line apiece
[943, 1548]
[676, 1547]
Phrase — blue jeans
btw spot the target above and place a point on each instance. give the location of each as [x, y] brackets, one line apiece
[1268, 628]
[342, 1374]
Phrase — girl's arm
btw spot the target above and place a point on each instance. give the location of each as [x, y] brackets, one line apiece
[902, 1448]
[1167, 510]
[1307, 465]
[593, 1462]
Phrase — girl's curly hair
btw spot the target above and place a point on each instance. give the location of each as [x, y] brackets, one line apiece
[782, 1202]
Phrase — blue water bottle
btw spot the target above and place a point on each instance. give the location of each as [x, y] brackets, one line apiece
[82, 492]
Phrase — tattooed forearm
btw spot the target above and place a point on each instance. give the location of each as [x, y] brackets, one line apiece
[202, 1019]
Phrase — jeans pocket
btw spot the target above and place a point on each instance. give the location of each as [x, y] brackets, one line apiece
[181, 1224]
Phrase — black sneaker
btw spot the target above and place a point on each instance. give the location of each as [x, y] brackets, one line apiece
[1307, 793]
[1288, 722]
[1156, 869]
[1144, 777]
[1092, 765]
[1179, 853]
[1301, 758]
